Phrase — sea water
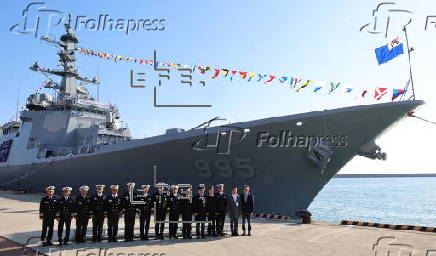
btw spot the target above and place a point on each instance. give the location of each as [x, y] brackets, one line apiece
[392, 200]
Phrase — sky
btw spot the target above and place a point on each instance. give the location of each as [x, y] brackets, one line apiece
[316, 40]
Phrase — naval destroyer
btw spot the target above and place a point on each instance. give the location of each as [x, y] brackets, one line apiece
[72, 139]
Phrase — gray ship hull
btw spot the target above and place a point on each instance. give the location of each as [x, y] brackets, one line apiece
[282, 178]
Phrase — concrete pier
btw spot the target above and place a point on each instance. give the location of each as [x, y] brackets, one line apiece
[19, 221]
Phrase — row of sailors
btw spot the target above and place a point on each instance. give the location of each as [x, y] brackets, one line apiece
[208, 207]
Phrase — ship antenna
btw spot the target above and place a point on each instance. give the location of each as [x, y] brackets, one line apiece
[98, 79]
[409, 50]
[18, 99]
[68, 24]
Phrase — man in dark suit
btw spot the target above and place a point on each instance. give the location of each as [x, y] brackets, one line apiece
[83, 213]
[221, 198]
[247, 208]
[234, 206]
[47, 213]
[98, 212]
[114, 211]
[66, 207]
[129, 210]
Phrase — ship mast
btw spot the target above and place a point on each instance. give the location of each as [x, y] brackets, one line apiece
[68, 88]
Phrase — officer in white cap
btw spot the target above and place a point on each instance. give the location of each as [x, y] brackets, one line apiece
[160, 201]
[174, 210]
[83, 213]
[186, 211]
[129, 210]
[65, 214]
[98, 213]
[211, 208]
[47, 213]
[222, 200]
[145, 211]
[114, 211]
[199, 210]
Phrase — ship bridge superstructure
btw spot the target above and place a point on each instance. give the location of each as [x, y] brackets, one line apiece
[70, 123]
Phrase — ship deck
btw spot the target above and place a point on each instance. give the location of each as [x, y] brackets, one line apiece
[19, 222]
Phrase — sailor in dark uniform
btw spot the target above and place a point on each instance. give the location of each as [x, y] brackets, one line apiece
[211, 210]
[186, 210]
[160, 202]
[83, 213]
[66, 209]
[114, 212]
[174, 210]
[47, 213]
[98, 213]
[145, 212]
[199, 209]
[247, 202]
[221, 209]
[129, 210]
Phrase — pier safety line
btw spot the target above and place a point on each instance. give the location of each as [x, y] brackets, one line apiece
[270, 216]
[389, 226]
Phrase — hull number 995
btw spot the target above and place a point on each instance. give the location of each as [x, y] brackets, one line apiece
[225, 168]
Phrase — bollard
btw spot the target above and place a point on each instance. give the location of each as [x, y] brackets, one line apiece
[305, 215]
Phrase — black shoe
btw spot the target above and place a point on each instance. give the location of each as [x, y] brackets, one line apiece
[243, 233]
[49, 243]
[203, 236]
[60, 243]
[146, 238]
[65, 243]
[249, 234]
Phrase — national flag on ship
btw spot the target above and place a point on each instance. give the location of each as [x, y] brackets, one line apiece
[389, 51]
